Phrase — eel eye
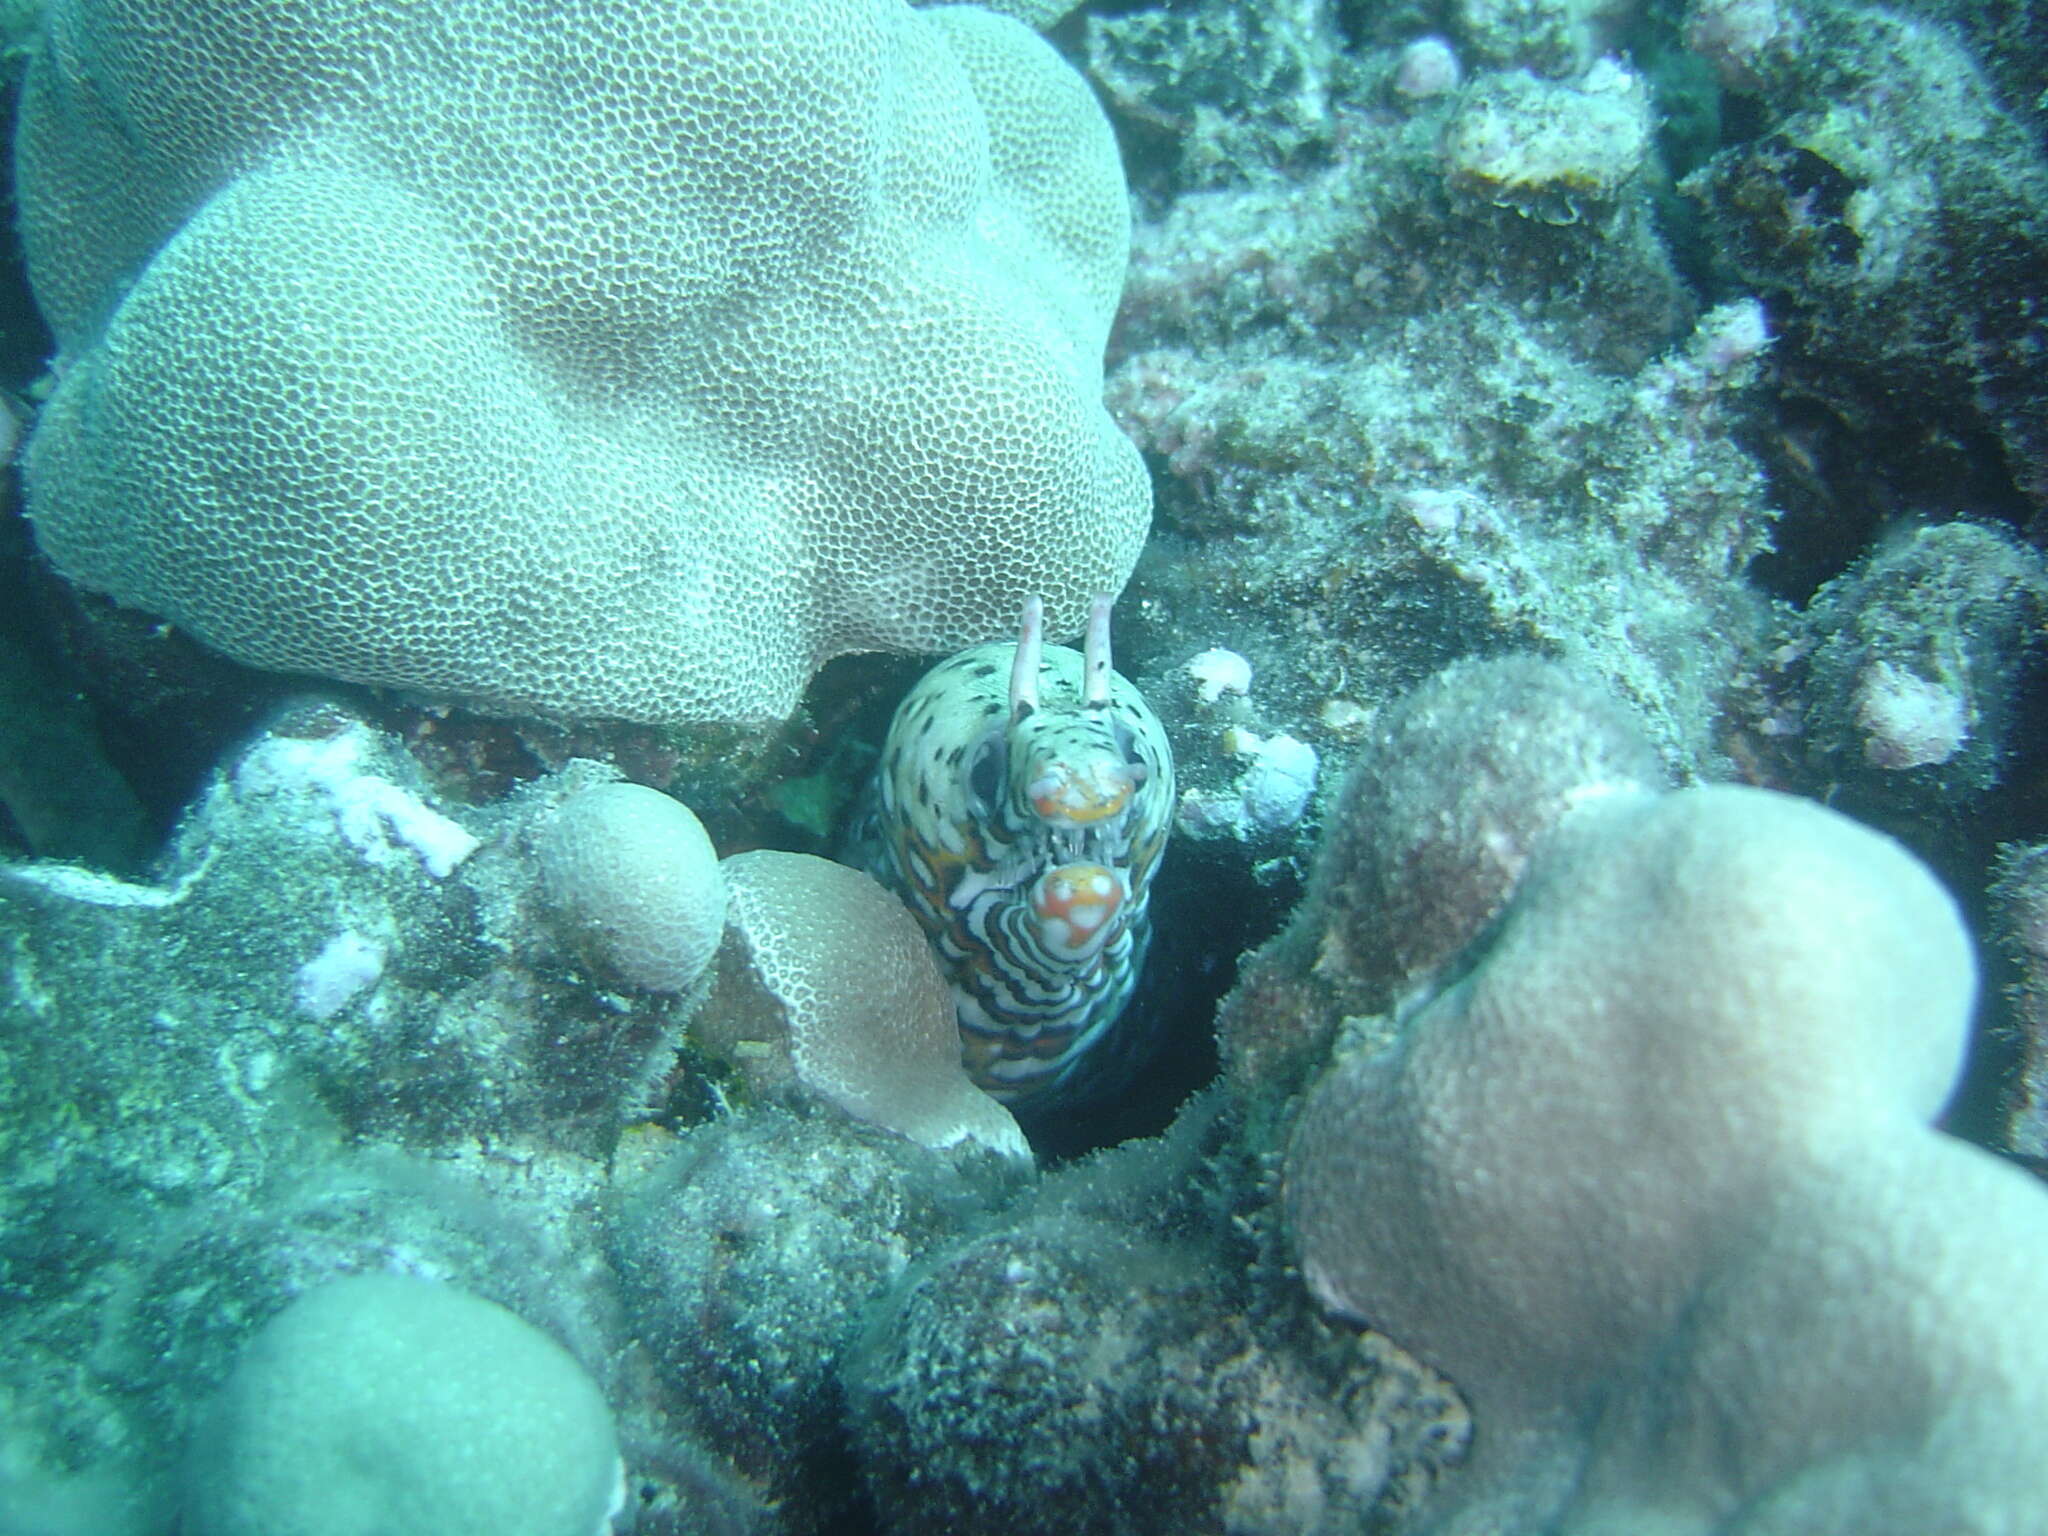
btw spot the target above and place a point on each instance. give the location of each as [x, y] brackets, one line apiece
[1126, 741]
[985, 772]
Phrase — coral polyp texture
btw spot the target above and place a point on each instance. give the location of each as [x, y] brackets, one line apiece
[1652, 1178]
[632, 875]
[608, 361]
[375, 1396]
[833, 987]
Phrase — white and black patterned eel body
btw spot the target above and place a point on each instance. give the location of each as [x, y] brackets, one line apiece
[1022, 801]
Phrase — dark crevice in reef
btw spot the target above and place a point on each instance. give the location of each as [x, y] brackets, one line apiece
[1207, 912]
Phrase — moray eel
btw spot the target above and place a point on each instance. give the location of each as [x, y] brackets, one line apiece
[1020, 808]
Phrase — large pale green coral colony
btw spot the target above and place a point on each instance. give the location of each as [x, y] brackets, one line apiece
[581, 955]
[619, 361]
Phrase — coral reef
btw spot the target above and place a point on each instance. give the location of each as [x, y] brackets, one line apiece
[745, 1257]
[1450, 795]
[1106, 1362]
[624, 363]
[633, 874]
[1921, 655]
[340, 1033]
[1560, 152]
[1556, 410]
[451, 1403]
[2019, 903]
[1423, 380]
[1270, 793]
[1651, 1176]
[1892, 209]
[316, 908]
[827, 983]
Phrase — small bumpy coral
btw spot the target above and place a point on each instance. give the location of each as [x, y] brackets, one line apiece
[374, 1397]
[1554, 151]
[827, 984]
[1271, 793]
[1452, 795]
[1920, 657]
[633, 875]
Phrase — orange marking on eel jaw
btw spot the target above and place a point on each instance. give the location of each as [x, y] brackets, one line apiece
[1085, 897]
[1064, 793]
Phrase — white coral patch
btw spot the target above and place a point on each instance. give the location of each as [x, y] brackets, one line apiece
[348, 965]
[1216, 672]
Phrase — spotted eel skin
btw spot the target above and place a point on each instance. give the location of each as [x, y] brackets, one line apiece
[1020, 807]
